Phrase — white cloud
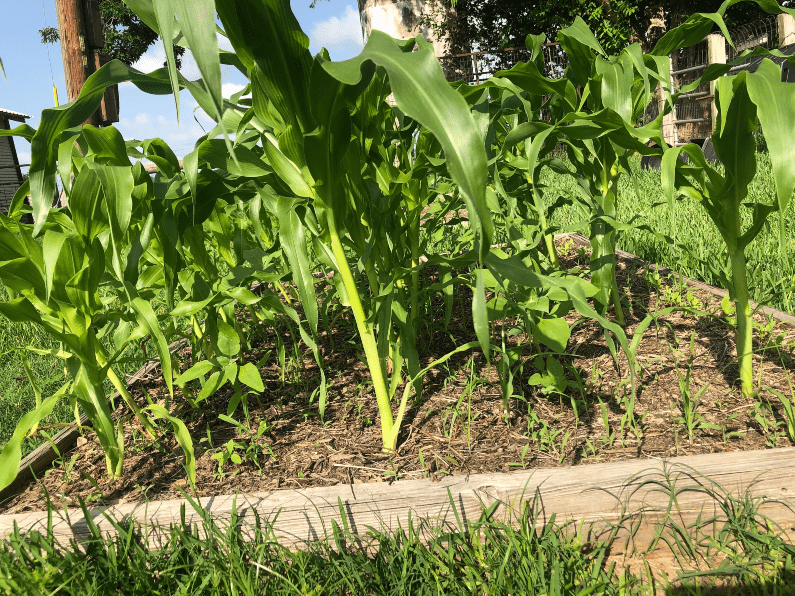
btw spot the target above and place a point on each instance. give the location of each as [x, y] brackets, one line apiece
[338, 31]
[228, 89]
[142, 118]
[155, 57]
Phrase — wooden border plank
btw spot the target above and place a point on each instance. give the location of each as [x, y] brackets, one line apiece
[601, 495]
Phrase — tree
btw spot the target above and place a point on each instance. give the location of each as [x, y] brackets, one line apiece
[126, 37]
[497, 24]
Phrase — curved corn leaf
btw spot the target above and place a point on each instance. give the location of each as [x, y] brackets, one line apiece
[775, 106]
[422, 93]
[183, 438]
[278, 47]
[294, 242]
[11, 455]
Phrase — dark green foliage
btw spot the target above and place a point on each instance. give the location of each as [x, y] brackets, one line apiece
[494, 24]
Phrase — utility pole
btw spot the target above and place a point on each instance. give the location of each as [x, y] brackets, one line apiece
[80, 29]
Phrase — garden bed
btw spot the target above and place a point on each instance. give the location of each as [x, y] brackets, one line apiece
[460, 426]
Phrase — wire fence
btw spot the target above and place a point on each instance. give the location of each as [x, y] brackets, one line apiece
[475, 67]
[761, 33]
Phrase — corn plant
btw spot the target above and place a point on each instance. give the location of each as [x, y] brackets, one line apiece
[82, 284]
[743, 101]
[314, 124]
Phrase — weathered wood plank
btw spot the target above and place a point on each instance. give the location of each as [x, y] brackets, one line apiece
[599, 494]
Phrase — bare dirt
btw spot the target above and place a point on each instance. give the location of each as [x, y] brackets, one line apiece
[460, 424]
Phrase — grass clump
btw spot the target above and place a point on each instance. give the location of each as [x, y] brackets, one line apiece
[744, 556]
[699, 251]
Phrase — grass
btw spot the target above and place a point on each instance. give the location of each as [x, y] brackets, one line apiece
[700, 252]
[743, 553]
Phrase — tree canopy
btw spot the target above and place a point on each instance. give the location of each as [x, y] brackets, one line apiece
[497, 24]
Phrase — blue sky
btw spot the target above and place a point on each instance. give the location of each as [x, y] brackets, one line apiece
[333, 24]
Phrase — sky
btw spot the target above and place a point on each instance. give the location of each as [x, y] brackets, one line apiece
[32, 68]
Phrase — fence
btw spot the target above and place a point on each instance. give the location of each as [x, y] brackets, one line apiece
[695, 111]
[475, 67]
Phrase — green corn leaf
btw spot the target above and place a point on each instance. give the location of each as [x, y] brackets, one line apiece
[265, 33]
[20, 310]
[117, 184]
[146, 12]
[579, 43]
[45, 142]
[246, 162]
[421, 92]
[23, 130]
[88, 389]
[615, 81]
[286, 169]
[250, 375]
[148, 319]
[85, 204]
[325, 147]
[480, 315]
[166, 27]
[293, 240]
[244, 296]
[183, 438]
[775, 106]
[689, 33]
[107, 145]
[11, 455]
[52, 244]
[197, 21]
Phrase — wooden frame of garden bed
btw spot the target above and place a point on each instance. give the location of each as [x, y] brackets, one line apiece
[600, 495]
[635, 496]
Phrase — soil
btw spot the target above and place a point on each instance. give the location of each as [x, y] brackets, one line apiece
[460, 425]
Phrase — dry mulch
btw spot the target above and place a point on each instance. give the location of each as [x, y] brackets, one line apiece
[460, 425]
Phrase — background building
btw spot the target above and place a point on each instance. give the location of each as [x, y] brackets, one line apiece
[10, 168]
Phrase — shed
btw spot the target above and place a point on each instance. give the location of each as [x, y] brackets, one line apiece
[10, 168]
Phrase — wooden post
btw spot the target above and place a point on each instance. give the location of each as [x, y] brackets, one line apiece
[786, 30]
[78, 61]
[668, 127]
[716, 54]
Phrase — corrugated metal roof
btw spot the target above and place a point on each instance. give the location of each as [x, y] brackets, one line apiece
[11, 115]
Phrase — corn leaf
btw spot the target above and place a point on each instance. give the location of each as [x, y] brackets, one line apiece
[775, 106]
[422, 93]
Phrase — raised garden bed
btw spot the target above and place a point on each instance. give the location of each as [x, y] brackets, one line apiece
[459, 429]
